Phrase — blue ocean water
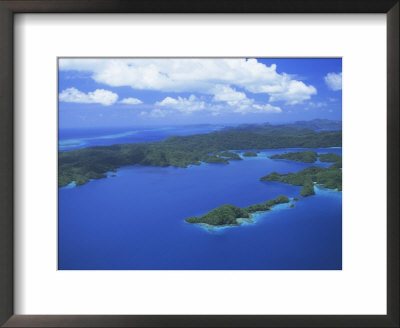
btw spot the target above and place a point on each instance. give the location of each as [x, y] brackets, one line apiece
[69, 139]
[136, 220]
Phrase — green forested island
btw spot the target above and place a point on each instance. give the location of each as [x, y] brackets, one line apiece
[308, 156]
[329, 177]
[250, 154]
[81, 165]
[229, 155]
[330, 157]
[229, 214]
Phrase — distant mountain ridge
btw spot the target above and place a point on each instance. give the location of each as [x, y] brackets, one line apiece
[305, 127]
[319, 124]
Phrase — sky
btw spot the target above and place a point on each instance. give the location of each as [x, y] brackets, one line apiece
[123, 92]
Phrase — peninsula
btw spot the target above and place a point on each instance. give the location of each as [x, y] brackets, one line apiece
[329, 177]
[308, 156]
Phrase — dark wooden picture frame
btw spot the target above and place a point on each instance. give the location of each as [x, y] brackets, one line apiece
[10, 7]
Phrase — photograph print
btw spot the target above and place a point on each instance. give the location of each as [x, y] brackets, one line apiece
[199, 163]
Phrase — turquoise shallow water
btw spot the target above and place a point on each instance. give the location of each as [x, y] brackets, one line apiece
[69, 139]
[136, 220]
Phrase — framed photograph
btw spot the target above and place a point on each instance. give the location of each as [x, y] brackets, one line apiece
[167, 141]
[214, 164]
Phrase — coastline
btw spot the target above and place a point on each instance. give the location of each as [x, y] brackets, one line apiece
[262, 154]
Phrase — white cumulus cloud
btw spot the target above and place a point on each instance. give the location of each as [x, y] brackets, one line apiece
[235, 99]
[295, 92]
[267, 108]
[239, 101]
[312, 104]
[185, 105]
[334, 81]
[131, 101]
[195, 75]
[227, 94]
[225, 100]
[99, 96]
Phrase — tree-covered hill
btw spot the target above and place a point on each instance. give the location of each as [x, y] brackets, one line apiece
[329, 177]
[298, 127]
[308, 156]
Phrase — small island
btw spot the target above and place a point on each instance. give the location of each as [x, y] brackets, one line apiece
[228, 155]
[308, 156]
[228, 215]
[250, 154]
